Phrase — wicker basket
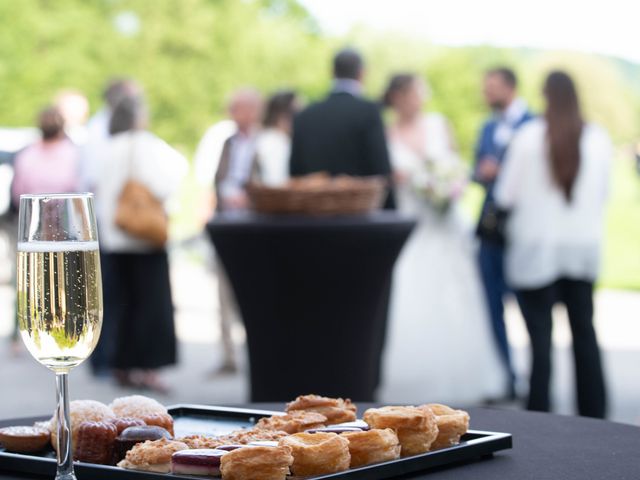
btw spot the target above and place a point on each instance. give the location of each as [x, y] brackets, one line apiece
[319, 194]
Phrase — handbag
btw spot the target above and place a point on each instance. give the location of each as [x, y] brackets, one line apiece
[493, 224]
[139, 212]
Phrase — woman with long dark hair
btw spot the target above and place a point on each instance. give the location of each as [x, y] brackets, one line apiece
[554, 182]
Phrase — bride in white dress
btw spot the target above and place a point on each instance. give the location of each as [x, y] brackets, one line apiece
[440, 346]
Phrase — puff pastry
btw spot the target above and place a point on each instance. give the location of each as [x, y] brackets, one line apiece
[416, 427]
[337, 410]
[317, 453]
[152, 456]
[452, 424]
[293, 422]
[372, 446]
[263, 463]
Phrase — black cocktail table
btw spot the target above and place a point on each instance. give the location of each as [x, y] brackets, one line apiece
[313, 294]
[545, 447]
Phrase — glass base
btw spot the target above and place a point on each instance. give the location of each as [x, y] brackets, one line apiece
[66, 476]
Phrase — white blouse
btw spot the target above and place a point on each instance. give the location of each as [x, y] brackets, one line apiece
[548, 237]
[273, 150]
[153, 162]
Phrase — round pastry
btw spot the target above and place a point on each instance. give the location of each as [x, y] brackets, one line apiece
[452, 424]
[82, 411]
[294, 422]
[317, 453]
[337, 410]
[416, 427]
[265, 463]
[133, 435]
[204, 462]
[25, 439]
[122, 424]
[372, 446]
[163, 420]
[95, 442]
[152, 456]
[244, 437]
[136, 406]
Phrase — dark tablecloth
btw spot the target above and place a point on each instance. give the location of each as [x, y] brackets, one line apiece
[313, 294]
[545, 447]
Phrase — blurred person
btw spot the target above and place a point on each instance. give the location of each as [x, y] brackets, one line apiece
[510, 112]
[554, 182]
[237, 165]
[238, 157]
[437, 291]
[342, 134]
[48, 166]
[74, 107]
[97, 130]
[51, 164]
[138, 334]
[274, 141]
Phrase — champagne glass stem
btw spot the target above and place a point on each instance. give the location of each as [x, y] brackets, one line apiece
[65, 455]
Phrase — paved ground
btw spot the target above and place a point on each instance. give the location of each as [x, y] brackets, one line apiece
[28, 389]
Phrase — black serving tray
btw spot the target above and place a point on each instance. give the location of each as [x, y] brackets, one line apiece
[200, 419]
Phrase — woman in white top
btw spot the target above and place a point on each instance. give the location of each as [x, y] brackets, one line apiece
[554, 182]
[138, 329]
[438, 311]
[274, 141]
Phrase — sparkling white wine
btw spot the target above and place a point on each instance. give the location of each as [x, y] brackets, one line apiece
[59, 301]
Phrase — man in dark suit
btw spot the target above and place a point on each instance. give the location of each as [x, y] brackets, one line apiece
[342, 134]
[510, 113]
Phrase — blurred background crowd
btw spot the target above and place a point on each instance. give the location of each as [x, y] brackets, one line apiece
[195, 98]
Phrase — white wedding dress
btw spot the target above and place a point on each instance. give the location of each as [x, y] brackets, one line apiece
[440, 347]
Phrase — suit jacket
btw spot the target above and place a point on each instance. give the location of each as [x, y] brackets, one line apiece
[224, 167]
[343, 134]
[487, 146]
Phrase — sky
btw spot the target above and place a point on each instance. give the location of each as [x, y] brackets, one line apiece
[609, 27]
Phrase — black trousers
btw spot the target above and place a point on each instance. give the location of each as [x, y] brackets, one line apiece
[536, 306]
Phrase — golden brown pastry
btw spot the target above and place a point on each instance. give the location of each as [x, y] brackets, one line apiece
[82, 411]
[337, 410]
[317, 453]
[294, 422]
[23, 439]
[263, 463]
[452, 424]
[163, 420]
[152, 456]
[372, 446]
[95, 442]
[244, 437]
[136, 406]
[416, 427]
[199, 442]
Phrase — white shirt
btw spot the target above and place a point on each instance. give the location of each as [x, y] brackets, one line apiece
[507, 121]
[153, 162]
[209, 150]
[548, 237]
[97, 134]
[273, 149]
[241, 155]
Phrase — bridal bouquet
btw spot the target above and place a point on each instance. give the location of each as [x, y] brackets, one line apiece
[441, 181]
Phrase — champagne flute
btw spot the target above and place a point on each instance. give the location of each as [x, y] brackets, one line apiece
[59, 294]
